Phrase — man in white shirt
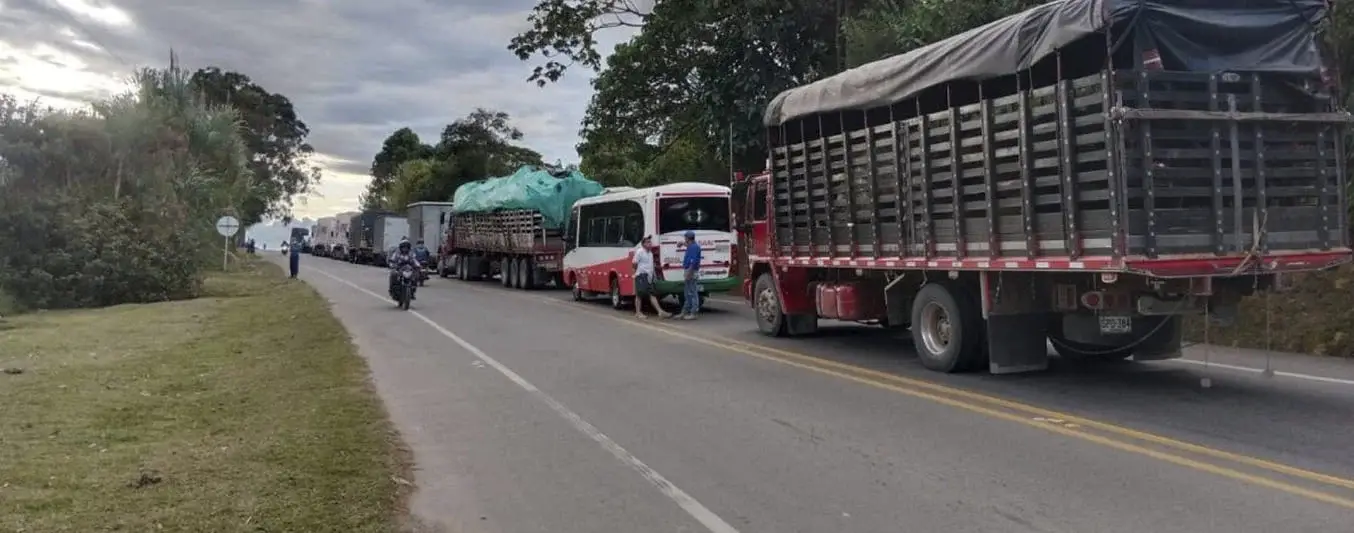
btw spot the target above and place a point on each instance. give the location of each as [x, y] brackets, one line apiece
[644, 277]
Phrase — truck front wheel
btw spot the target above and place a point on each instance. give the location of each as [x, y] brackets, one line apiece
[770, 317]
[946, 329]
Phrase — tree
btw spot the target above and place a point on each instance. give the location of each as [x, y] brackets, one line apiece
[400, 147]
[482, 144]
[115, 203]
[275, 137]
[564, 33]
[700, 74]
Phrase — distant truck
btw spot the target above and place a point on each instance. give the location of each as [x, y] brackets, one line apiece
[427, 223]
[1048, 190]
[513, 227]
[372, 234]
[322, 236]
[298, 236]
[338, 247]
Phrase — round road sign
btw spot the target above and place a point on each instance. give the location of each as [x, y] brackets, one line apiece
[228, 226]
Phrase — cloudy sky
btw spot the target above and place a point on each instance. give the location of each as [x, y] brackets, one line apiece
[356, 69]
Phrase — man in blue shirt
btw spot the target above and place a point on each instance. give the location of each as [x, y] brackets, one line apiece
[691, 267]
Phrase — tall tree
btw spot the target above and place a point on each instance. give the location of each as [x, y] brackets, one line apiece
[274, 135]
[702, 71]
[563, 32]
[400, 147]
[480, 145]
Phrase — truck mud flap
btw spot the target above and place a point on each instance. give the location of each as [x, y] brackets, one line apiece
[1017, 343]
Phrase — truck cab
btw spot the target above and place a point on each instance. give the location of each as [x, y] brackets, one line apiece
[749, 208]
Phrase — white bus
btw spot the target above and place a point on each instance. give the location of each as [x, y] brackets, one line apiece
[604, 231]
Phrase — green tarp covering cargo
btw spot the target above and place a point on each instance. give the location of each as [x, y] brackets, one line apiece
[513, 225]
[530, 188]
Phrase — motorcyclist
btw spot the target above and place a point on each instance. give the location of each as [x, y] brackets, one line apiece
[403, 255]
[422, 253]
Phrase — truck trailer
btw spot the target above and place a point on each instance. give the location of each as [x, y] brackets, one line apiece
[1082, 178]
[338, 248]
[428, 222]
[513, 227]
[372, 235]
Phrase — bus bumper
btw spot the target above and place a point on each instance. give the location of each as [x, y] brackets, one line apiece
[667, 287]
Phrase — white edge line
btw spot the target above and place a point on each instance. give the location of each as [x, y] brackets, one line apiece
[705, 516]
[1253, 370]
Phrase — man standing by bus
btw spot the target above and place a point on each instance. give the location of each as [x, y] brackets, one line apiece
[691, 267]
[644, 277]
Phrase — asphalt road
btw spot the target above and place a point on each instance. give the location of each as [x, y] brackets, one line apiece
[529, 412]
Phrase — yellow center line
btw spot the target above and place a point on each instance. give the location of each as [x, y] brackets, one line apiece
[910, 386]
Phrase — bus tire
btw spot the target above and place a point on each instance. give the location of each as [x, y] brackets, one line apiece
[617, 301]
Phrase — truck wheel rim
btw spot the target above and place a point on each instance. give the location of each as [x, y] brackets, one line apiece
[935, 328]
[767, 309]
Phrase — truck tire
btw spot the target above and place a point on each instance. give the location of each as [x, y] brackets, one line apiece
[506, 271]
[617, 301]
[460, 268]
[946, 328]
[771, 319]
[526, 274]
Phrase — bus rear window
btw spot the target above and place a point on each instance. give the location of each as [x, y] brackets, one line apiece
[697, 213]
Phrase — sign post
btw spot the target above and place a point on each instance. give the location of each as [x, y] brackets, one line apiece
[227, 226]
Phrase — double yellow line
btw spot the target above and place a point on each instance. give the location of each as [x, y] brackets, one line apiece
[1247, 469]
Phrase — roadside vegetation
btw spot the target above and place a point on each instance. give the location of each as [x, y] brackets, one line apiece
[223, 413]
[142, 390]
[116, 203]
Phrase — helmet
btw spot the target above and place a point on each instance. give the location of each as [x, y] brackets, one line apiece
[404, 246]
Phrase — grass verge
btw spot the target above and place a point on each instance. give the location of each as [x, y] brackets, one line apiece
[1315, 317]
[244, 410]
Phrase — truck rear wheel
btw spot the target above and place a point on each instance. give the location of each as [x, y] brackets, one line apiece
[461, 268]
[946, 329]
[505, 271]
[519, 275]
[526, 273]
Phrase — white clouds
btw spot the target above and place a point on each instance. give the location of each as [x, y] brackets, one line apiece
[96, 11]
[356, 70]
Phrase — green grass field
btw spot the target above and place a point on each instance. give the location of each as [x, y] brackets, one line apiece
[245, 410]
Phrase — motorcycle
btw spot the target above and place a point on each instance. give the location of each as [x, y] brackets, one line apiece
[403, 290]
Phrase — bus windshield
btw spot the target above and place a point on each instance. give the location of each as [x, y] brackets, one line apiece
[693, 213]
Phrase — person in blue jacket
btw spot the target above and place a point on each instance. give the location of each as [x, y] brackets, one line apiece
[691, 267]
[294, 259]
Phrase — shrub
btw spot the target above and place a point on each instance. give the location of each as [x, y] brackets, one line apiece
[58, 253]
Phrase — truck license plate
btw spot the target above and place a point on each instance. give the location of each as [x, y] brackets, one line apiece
[1116, 324]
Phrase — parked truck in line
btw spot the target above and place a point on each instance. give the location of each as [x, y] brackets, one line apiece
[338, 249]
[427, 224]
[322, 236]
[1073, 181]
[372, 234]
[513, 226]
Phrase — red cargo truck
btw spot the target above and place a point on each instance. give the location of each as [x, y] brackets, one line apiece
[1070, 180]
